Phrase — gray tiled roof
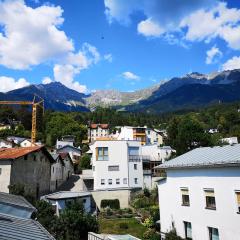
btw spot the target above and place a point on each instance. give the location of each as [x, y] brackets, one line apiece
[206, 157]
[66, 194]
[15, 200]
[13, 228]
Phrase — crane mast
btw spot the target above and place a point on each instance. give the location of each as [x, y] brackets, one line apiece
[34, 113]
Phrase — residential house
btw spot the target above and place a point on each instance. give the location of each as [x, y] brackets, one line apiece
[96, 131]
[15, 205]
[132, 133]
[57, 169]
[65, 141]
[68, 165]
[29, 166]
[200, 197]
[16, 140]
[117, 164]
[230, 140]
[154, 136]
[6, 144]
[16, 222]
[152, 156]
[26, 143]
[60, 200]
[75, 153]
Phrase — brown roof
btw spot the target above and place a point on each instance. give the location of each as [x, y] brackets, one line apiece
[103, 126]
[12, 153]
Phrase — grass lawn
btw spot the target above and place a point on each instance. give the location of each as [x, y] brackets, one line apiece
[111, 226]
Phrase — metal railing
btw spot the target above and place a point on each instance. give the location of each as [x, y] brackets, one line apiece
[134, 158]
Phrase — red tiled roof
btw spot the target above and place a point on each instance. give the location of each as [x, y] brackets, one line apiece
[103, 126]
[12, 153]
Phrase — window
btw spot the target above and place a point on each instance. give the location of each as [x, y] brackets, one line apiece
[185, 197]
[135, 180]
[113, 168]
[135, 166]
[118, 181]
[0, 171]
[34, 158]
[125, 181]
[133, 151]
[188, 230]
[213, 233]
[102, 153]
[53, 169]
[25, 157]
[93, 168]
[102, 181]
[237, 195]
[110, 181]
[210, 199]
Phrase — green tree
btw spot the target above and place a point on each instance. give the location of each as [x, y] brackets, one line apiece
[85, 162]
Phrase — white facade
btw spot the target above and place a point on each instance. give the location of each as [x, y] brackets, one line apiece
[5, 144]
[224, 181]
[230, 140]
[5, 174]
[26, 143]
[96, 131]
[125, 133]
[117, 164]
[153, 137]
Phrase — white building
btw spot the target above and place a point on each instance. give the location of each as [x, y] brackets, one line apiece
[96, 131]
[75, 153]
[59, 200]
[117, 164]
[153, 136]
[65, 141]
[200, 197]
[132, 133]
[230, 140]
[6, 144]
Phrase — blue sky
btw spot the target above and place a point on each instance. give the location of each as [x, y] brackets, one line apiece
[115, 44]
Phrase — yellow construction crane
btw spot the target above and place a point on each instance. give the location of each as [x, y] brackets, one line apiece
[34, 113]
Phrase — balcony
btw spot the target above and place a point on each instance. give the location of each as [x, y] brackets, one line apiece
[147, 172]
[134, 158]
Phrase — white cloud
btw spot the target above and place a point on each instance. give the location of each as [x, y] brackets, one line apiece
[108, 57]
[130, 76]
[233, 63]
[31, 35]
[8, 83]
[47, 80]
[213, 55]
[150, 28]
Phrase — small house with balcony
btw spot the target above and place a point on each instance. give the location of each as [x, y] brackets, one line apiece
[200, 196]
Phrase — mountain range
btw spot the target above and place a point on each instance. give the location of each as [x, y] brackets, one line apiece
[189, 91]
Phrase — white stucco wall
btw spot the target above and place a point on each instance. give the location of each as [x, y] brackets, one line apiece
[5, 175]
[126, 133]
[224, 181]
[117, 156]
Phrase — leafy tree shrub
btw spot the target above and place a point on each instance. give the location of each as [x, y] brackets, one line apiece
[150, 234]
[154, 212]
[141, 202]
[146, 192]
[123, 225]
[148, 222]
[112, 203]
[172, 235]
[85, 162]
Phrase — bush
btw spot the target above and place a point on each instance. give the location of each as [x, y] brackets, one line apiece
[146, 192]
[172, 235]
[148, 222]
[123, 225]
[141, 202]
[112, 203]
[154, 212]
[150, 234]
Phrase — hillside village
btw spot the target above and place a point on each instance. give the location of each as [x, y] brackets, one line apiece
[124, 177]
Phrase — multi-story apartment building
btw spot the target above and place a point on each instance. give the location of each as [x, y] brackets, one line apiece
[96, 131]
[117, 164]
[132, 133]
[200, 197]
[154, 136]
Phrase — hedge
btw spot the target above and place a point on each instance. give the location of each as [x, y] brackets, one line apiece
[112, 203]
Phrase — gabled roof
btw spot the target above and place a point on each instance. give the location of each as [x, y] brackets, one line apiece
[68, 146]
[15, 228]
[101, 125]
[16, 201]
[13, 153]
[219, 156]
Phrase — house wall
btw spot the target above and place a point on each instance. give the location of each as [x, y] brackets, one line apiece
[122, 194]
[117, 156]
[26, 143]
[98, 133]
[126, 133]
[56, 175]
[5, 166]
[32, 172]
[4, 144]
[153, 137]
[224, 181]
[68, 169]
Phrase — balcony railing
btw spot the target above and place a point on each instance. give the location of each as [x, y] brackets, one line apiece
[147, 172]
[134, 158]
